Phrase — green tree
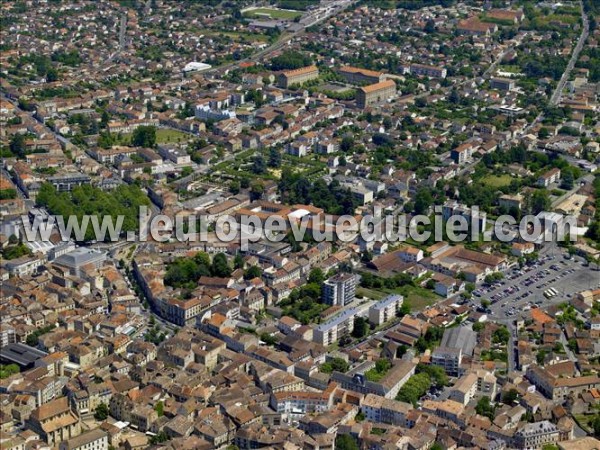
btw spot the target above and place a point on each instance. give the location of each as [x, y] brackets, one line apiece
[17, 145]
[361, 327]
[346, 442]
[501, 335]
[159, 408]
[220, 267]
[509, 397]
[238, 262]
[429, 26]
[540, 201]
[257, 189]
[253, 272]
[316, 276]
[274, 157]
[144, 136]
[258, 165]
[485, 408]
[234, 187]
[159, 438]
[334, 364]
[101, 412]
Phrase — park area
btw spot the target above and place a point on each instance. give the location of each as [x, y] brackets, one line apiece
[272, 13]
[417, 297]
[497, 181]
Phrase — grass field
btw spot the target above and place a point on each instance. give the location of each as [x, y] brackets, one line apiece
[419, 298]
[272, 13]
[165, 136]
[236, 35]
[497, 180]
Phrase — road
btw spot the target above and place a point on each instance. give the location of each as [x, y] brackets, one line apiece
[556, 96]
[312, 18]
[576, 185]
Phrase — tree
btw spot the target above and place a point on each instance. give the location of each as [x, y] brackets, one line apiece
[290, 60]
[253, 272]
[258, 165]
[274, 158]
[361, 327]
[268, 339]
[144, 136]
[159, 438]
[404, 309]
[485, 408]
[596, 425]
[101, 412]
[238, 262]
[346, 442]
[544, 133]
[220, 267]
[257, 190]
[429, 26]
[510, 397]
[234, 187]
[159, 408]
[316, 276]
[423, 200]
[401, 351]
[540, 201]
[347, 143]
[501, 335]
[567, 180]
[334, 364]
[454, 97]
[17, 145]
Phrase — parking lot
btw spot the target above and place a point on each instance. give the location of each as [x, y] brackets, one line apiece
[522, 289]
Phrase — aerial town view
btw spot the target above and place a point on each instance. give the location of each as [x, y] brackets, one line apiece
[300, 224]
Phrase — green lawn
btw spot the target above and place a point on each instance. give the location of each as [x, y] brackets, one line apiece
[418, 297]
[497, 181]
[370, 293]
[272, 13]
[165, 136]
[237, 35]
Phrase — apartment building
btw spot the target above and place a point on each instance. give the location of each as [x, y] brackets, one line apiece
[385, 309]
[297, 76]
[536, 435]
[375, 94]
[356, 75]
[502, 84]
[296, 404]
[546, 179]
[340, 289]
[428, 71]
[387, 387]
[464, 389]
[329, 332]
[384, 410]
[560, 388]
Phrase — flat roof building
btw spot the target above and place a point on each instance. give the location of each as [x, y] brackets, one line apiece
[22, 355]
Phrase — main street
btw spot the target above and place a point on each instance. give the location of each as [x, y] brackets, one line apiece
[312, 18]
[556, 96]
